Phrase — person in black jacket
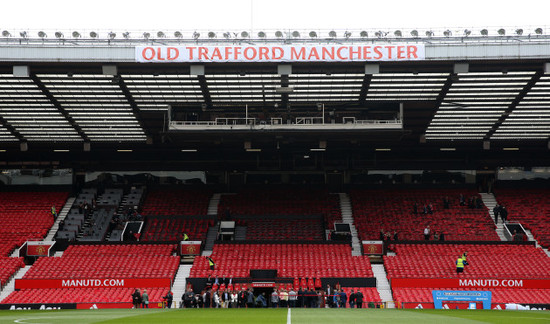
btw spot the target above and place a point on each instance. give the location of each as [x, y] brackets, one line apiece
[169, 297]
[207, 298]
[503, 214]
[496, 212]
[352, 298]
[359, 299]
[136, 298]
[300, 298]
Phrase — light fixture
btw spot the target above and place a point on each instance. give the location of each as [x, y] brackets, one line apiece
[347, 34]
[538, 31]
[126, 35]
[484, 32]
[447, 149]
[42, 34]
[364, 34]
[519, 31]
[161, 34]
[501, 32]
[429, 33]
[93, 34]
[318, 150]
[23, 34]
[76, 34]
[397, 33]
[414, 33]
[467, 32]
[383, 149]
[332, 34]
[189, 150]
[146, 35]
[253, 150]
[58, 34]
[196, 35]
[261, 34]
[278, 34]
[178, 34]
[380, 34]
[112, 35]
[295, 34]
[61, 151]
[6, 33]
[126, 151]
[448, 33]
[312, 34]
[211, 35]
[510, 148]
[245, 34]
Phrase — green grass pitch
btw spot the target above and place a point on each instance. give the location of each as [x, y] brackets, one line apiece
[268, 316]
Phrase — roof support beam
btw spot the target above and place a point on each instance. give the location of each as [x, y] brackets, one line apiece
[135, 109]
[285, 81]
[205, 91]
[365, 88]
[440, 97]
[59, 107]
[11, 129]
[536, 77]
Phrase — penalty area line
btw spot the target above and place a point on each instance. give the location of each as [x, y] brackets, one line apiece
[288, 321]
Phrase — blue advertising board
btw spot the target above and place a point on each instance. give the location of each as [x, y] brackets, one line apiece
[459, 295]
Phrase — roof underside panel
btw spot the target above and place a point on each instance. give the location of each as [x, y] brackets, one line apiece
[406, 86]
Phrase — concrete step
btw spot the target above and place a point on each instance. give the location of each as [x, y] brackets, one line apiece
[62, 214]
[9, 287]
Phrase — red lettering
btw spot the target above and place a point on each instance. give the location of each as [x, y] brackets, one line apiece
[175, 51]
[400, 52]
[339, 53]
[366, 52]
[247, 52]
[295, 55]
[191, 51]
[159, 54]
[228, 51]
[147, 56]
[313, 53]
[217, 54]
[275, 55]
[377, 52]
[326, 53]
[264, 53]
[389, 51]
[411, 51]
[237, 52]
[351, 52]
[203, 53]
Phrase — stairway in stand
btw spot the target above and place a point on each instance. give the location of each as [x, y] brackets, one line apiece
[383, 285]
[490, 202]
[180, 281]
[10, 285]
[61, 216]
[347, 217]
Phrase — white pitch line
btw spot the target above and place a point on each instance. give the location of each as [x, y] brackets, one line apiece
[288, 321]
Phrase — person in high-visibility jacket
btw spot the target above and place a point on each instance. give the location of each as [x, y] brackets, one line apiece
[54, 212]
[464, 258]
[185, 237]
[211, 263]
[459, 265]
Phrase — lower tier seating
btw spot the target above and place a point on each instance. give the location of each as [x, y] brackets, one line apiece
[499, 295]
[8, 266]
[290, 260]
[82, 295]
[485, 261]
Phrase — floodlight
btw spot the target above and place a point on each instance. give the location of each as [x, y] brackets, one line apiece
[178, 34]
[312, 34]
[502, 32]
[332, 34]
[58, 34]
[93, 34]
[76, 34]
[245, 34]
[347, 34]
[429, 33]
[6, 33]
[126, 35]
[398, 33]
[538, 31]
[364, 34]
[278, 34]
[146, 35]
[519, 32]
[23, 34]
[261, 34]
[42, 34]
[112, 35]
[414, 33]
[448, 33]
[467, 32]
[484, 32]
[196, 35]
[295, 34]
[227, 35]
[161, 34]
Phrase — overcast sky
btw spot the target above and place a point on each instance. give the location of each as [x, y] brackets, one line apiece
[222, 15]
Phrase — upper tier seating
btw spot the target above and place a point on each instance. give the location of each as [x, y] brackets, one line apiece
[291, 260]
[282, 201]
[531, 208]
[25, 216]
[108, 261]
[172, 228]
[392, 210]
[8, 266]
[283, 229]
[176, 201]
[485, 261]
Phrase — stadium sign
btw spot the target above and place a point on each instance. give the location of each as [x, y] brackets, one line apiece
[39, 248]
[190, 247]
[91, 283]
[37, 306]
[283, 53]
[469, 296]
[472, 283]
[373, 247]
